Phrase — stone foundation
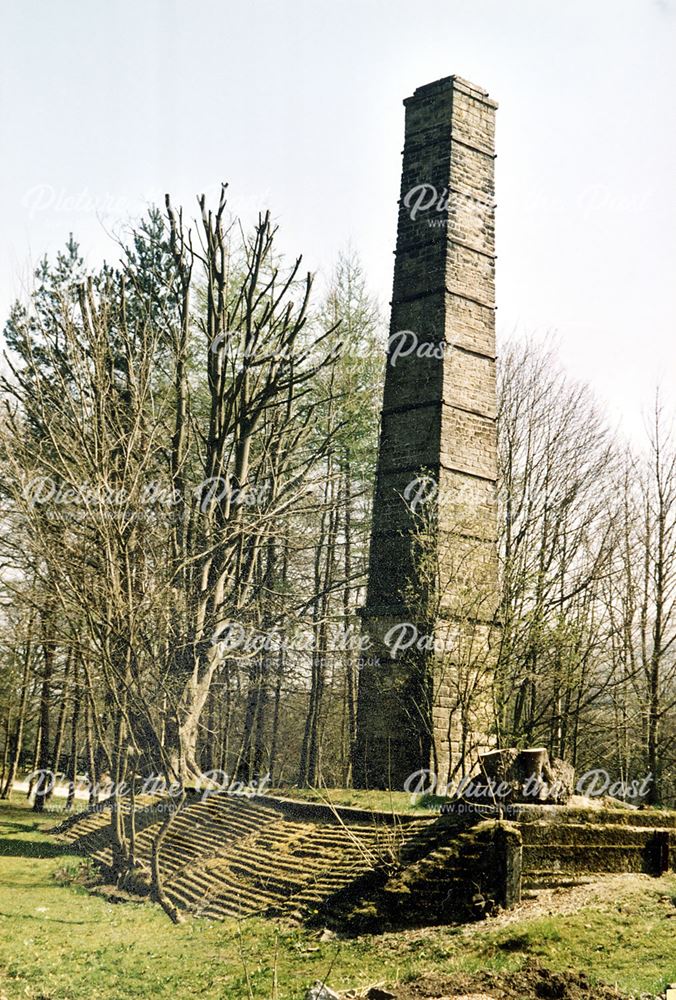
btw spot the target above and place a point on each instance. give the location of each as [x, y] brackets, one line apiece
[234, 857]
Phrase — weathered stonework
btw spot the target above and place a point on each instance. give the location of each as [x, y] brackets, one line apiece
[435, 566]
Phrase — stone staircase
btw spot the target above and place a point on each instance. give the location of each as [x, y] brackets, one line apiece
[235, 857]
[228, 856]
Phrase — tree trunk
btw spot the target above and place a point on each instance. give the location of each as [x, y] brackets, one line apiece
[17, 744]
[75, 719]
[49, 651]
[61, 723]
[155, 866]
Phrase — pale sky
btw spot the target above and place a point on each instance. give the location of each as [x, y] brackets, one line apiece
[298, 104]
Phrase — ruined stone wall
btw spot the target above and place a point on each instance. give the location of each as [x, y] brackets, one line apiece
[438, 427]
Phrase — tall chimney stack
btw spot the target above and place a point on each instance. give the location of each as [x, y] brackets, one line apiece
[433, 561]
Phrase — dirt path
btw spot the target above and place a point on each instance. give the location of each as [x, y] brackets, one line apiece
[597, 891]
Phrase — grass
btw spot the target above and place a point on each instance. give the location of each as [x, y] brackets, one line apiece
[376, 801]
[60, 942]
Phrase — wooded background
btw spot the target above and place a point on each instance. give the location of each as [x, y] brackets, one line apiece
[189, 445]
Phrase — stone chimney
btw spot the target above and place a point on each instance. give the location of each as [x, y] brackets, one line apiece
[432, 588]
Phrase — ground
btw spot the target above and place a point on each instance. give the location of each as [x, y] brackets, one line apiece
[60, 942]
[378, 801]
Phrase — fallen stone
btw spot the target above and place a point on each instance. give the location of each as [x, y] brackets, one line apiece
[319, 991]
[527, 776]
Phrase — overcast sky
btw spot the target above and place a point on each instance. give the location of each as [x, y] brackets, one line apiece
[298, 104]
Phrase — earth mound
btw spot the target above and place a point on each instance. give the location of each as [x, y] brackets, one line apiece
[534, 982]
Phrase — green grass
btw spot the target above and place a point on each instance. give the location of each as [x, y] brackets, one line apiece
[60, 942]
[376, 801]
